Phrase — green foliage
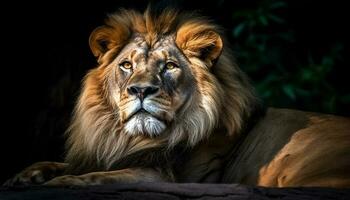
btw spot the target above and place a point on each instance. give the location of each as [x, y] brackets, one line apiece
[264, 44]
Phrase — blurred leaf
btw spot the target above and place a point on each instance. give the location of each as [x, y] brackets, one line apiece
[263, 20]
[276, 19]
[306, 74]
[239, 29]
[278, 4]
[327, 61]
[330, 104]
[289, 91]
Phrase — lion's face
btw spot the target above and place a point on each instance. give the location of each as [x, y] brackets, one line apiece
[151, 84]
[157, 73]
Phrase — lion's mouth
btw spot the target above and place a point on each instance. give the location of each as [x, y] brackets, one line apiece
[144, 112]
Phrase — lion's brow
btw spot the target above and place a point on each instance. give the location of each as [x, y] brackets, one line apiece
[133, 54]
[165, 54]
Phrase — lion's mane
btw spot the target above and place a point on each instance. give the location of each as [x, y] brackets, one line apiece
[96, 140]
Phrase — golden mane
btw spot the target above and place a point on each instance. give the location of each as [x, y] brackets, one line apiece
[95, 138]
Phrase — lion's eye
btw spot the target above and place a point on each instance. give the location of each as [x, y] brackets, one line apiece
[170, 65]
[126, 65]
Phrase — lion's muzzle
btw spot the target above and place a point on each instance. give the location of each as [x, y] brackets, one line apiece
[144, 113]
[142, 92]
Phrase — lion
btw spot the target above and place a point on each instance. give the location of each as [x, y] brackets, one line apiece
[167, 102]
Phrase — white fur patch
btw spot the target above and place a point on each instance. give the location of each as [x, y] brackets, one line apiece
[144, 124]
[133, 106]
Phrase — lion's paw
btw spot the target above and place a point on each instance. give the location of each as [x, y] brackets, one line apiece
[36, 174]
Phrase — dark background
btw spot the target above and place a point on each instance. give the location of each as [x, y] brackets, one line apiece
[295, 52]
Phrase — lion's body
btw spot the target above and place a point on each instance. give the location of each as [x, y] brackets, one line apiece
[285, 148]
[168, 103]
[294, 148]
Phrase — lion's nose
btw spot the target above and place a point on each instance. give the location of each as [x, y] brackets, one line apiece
[142, 92]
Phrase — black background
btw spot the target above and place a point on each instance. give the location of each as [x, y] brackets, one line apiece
[45, 54]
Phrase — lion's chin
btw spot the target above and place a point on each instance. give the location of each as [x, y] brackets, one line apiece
[144, 124]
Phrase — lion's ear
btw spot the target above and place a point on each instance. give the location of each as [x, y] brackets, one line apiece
[199, 40]
[105, 38]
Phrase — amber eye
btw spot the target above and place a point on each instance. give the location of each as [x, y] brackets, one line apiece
[126, 65]
[170, 65]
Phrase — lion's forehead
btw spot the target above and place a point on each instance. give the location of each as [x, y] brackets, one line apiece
[139, 50]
